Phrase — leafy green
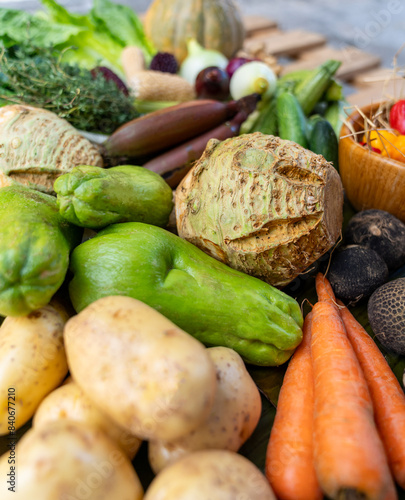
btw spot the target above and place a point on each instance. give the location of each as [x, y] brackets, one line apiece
[98, 37]
[39, 78]
[58, 14]
[17, 26]
[122, 24]
[95, 47]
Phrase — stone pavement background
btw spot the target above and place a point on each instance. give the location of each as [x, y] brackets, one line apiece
[376, 26]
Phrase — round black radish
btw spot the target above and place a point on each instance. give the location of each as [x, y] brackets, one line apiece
[386, 313]
[355, 272]
[380, 231]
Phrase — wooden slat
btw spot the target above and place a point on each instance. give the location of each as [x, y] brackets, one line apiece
[373, 76]
[288, 43]
[365, 97]
[354, 61]
[255, 25]
[263, 35]
[377, 91]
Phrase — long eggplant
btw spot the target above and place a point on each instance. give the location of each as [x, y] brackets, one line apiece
[175, 163]
[165, 128]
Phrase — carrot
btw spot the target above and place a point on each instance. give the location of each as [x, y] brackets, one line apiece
[324, 290]
[289, 458]
[349, 457]
[386, 393]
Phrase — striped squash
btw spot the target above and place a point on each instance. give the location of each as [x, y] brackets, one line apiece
[215, 24]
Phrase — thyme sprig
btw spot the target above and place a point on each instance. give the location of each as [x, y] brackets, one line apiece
[39, 77]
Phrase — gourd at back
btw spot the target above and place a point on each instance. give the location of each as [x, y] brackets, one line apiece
[215, 24]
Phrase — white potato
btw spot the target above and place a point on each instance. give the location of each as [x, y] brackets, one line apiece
[69, 461]
[69, 402]
[32, 363]
[210, 475]
[148, 375]
[233, 418]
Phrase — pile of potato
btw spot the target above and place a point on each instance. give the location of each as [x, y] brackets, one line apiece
[134, 376]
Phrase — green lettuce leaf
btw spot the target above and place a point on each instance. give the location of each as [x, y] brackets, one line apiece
[122, 24]
[58, 14]
[94, 47]
[17, 26]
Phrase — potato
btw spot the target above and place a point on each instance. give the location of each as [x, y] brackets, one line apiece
[148, 375]
[233, 418]
[69, 402]
[210, 475]
[69, 461]
[32, 363]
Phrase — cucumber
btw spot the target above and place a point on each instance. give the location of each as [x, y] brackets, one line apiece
[310, 90]
[320, 108]
[291, 119]
[266, 122]
[323, 141]
[312, 120]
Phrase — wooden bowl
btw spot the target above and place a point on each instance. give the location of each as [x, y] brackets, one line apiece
[369, 179]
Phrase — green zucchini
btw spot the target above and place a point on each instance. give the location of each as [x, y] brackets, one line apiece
[295, 76]
[335, 114]
[291, 119]
[334, 92]
[266, 122]
[323, 141]
[310, 90]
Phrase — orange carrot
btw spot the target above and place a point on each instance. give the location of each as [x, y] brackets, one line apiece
[386, 393]
[349, 457]
[387, 396]
[324, 290]
[289, 459]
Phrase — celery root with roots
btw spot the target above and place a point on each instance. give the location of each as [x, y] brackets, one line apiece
[37, 146]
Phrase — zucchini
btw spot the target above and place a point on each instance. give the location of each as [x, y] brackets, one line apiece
[295, 76]
[335, 114]
[311, 89]
[266, 122]
[323, 141]
[288, 82]
[291, 119]
[334, 92]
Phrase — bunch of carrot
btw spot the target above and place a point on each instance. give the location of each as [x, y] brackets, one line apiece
[340, 423]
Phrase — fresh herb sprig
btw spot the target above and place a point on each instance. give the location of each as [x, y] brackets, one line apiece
[37, 77]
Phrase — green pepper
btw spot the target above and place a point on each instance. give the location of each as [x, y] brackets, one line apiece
[94, 197]
[209, 300]
[35, 243]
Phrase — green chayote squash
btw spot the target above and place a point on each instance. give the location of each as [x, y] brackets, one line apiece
[214, 303]
[94, 197]
[35, 243]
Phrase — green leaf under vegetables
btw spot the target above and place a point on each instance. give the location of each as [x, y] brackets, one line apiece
[269, 380]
